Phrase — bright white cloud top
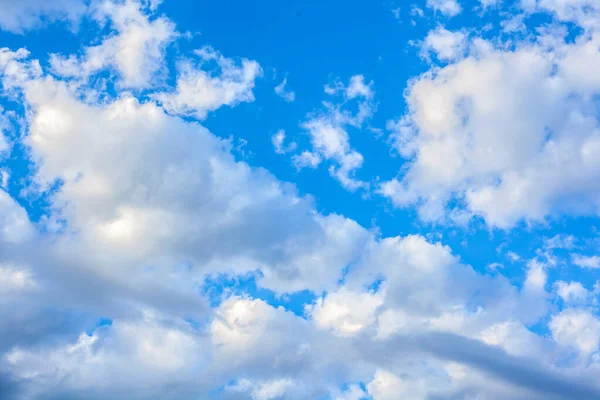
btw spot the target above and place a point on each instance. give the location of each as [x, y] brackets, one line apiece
[146, 253]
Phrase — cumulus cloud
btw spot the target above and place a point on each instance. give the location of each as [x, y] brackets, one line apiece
[107, 294]
[345, 312]
[578, 329]
[135, 49]
[199, 92]
[571, 292]
[446, 45]
[507, 133]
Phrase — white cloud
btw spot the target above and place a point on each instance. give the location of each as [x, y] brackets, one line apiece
[199, 92]
[268, 390]
[328, 132]
[446, 45]
[149, 206]
[278, 139]
[489, 3]
[345, 312]
[576, 328]
[149, 353]
[559, 241]
[387, 386]
[571, 292]
[495, 266]
[192, 178]
[288, 95]
[585, 13]
[331, 141]
[23, 15]
[514, 338]
[510, 143]
[358, 88]
[135, 50]
[306, 159]
[591, 262]
[449, 8]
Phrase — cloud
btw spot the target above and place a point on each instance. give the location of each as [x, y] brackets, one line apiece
[277, 139]
[489, 3]
[25, 15]
[585, 13]
[510, 144]
[449, 8]
[306, 159]
[14, 221]
[387, 386]
[12, 279]
[329, 136]
[576, 328]
[345, 312]
[135, 49]
[591, 262]
[280, 90]
[109, 293]
[446, 45]
[199, 92]
[268, 390]
[571, 292]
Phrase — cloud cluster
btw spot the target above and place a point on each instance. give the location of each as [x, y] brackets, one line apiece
[507, 135]
[106, 294]
[328, 132]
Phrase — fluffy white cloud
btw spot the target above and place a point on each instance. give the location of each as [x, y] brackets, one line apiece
[329, 135]
[145, 206]
[585, 13]
[24, 15]
[199, 92]
[278, 139]
[268, 390]
[578, 329]
[149, 353]
[345, 312]
[358, 88]
[591, 262]
[446, 45]
[135, 50]
[571, 292]
[306, 159]
[509, 134]
[448, 8]
[149, 212]
[387, 386]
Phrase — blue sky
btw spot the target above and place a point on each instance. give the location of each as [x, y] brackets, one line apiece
[326, 199]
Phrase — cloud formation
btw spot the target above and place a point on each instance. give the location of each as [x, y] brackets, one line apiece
[114, 289]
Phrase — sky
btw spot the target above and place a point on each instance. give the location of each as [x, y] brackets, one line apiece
[330, 200]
